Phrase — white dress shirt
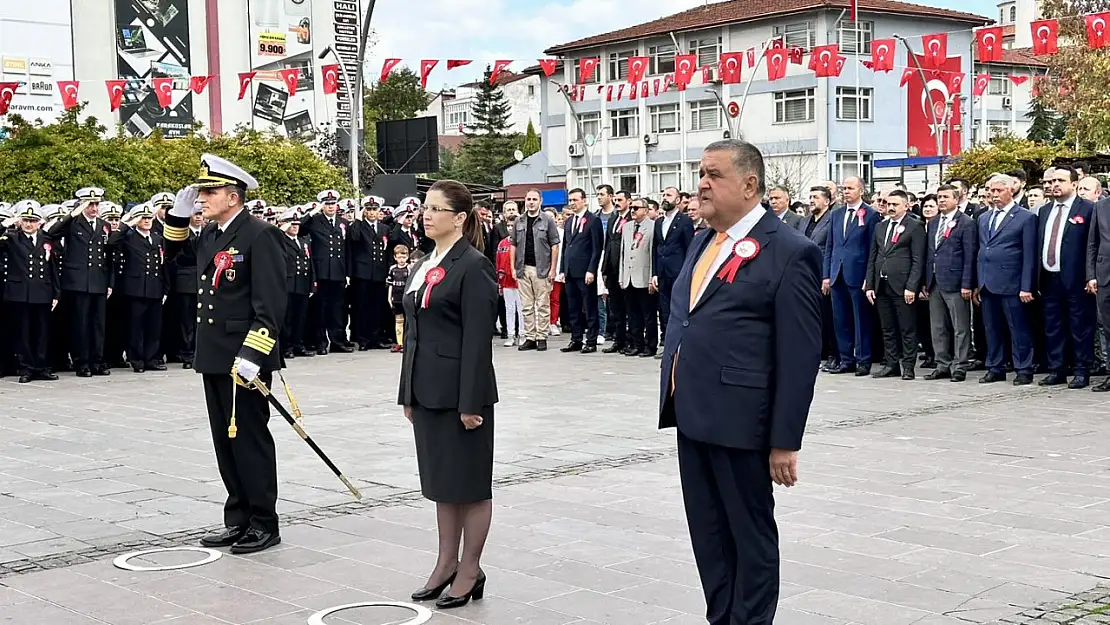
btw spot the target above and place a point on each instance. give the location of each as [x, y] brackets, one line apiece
[668, 219]
[227, 223]
[1056, 207]
[431, 260]
[996, 218]
[850, 214]
[738, 231]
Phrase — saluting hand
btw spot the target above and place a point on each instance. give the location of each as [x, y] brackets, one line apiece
[784, 467]
[470, 421]
[184, 205]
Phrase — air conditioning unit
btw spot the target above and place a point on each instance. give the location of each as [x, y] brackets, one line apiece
[651, 139]
[711, 75]
[576, 149]
[1007, 102]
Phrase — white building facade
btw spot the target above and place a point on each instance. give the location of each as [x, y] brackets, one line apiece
[454, 108]
[36, 50]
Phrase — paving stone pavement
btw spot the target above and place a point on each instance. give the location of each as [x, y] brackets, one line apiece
[921, 502]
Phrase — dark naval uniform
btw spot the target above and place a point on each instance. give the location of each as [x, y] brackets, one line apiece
[301, 282]
[86, 276]
[30, 290]
[240, 305]
[370, 261]
[327, 237]
[181, 275]
[143, 284]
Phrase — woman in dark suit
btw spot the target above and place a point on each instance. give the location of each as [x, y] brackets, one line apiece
[448, 388]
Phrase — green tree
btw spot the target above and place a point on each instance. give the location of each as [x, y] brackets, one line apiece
[531, 143]
[50, 162]
[491, 109]
[1046, 126]
[1005, 154]
[487, 149]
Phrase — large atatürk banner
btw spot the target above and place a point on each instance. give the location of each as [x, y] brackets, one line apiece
[924, 100]
[152, 41]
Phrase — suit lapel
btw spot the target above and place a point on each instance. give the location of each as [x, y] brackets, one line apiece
[761, 233]
[1006, 219]
[221, 239]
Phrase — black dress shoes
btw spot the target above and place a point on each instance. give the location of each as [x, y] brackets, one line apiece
[886, 372]
[526, 346]
[47, 376]
[842, 368]
[959, 375]
[575, 346]
[226, 538]
[188, 364]
[613, 349]
[908, 374]
[589, 348]
[1022, 379]
[156, 367]
[937, 374]
[341, 348]
[84, 373]
[1101, 387]
[447, 602]
[102, 370]
[1079, 381]
[863, 370]
[541, 346]
[24, 379]
[427, 594]
[1053, 379]
[991, 376]
[256, 540]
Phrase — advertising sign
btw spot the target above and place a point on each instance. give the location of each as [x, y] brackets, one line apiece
[152, 41]
[15, 70]
[281, 34]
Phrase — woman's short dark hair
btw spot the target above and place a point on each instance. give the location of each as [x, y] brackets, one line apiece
[459, 200]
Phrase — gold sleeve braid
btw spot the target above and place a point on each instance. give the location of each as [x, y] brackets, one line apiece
[259, 340]
[174, 233]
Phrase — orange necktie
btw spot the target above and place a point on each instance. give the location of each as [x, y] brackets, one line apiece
[700, 271]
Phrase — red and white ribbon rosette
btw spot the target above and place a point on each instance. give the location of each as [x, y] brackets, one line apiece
[385, 241]
[46, 249]
[434, 276]
[948, 228]
[223, 262]
[1077, 220]
[744, 250]
[638, 239]
[860, 214]
[897, 231]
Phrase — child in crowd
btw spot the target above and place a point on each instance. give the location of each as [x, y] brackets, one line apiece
[506, 281]
[398, 278]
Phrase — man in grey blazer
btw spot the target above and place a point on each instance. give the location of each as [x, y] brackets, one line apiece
[637, 241]
[779, 199]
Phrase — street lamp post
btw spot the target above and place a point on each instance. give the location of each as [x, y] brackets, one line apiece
[581, 134]
[354, 115]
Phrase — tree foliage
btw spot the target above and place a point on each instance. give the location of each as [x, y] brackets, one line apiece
[1073, 86]
[531, 143]
[1005, 154]
[491, 109]
[49, 163]
[1047, 126]
[487, 149]
[399, 96]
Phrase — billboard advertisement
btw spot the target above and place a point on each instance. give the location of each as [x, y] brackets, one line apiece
[281, 38]
[152, 41]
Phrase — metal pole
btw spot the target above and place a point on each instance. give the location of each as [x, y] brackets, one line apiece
[759, 61]
[356, 108]
[581, 132]
[924, 85]
[354, 126]
[859, 99]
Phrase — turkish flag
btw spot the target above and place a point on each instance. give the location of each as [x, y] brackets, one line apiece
[163, 88]
[637, 67]
[750, 53]
[498, 67]
[882, 54]
[197, 84]
[777, 60]
[988, 44]
[839, 65]
[1046, 34]
[586, 69]
[620, 91]
[778, 43]
[245, 79]
[453, 63]
[426, 67]
[935, 98]
[936, 52]
[684, 68]
[907, 74]
[668, 80]
[115, 92]
[644, 89]
[823, 60]
[982, 81]
[68, 90]
[609, 94]
[796, 55]
[291, 77]
[655, 86]
[730, 65]
[331, 78]
[388, 67]
[7, 92]
[633, 90]
[955, 84]
[548, 66]
[1018, 80]
[1096, 29]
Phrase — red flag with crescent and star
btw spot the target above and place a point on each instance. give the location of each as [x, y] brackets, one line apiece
[115, 92]
[426, 67]
[163, 89]
[388, 67]
[982, 81]
[823, 60]
[1096, 29]
[586, 69]
[934, 97]
[637, 67]
[777, 60]
[548, 66]
[197, 84]
[1046, 35]
[988, 44]
[684, 68]
[291, 77]
[245, 79]
[68, 90]
[498, 67]
[331, 78]
[936, 50]
[882, 55]
[453, 63]
[7, 92]
[907, 74]
[730, 64]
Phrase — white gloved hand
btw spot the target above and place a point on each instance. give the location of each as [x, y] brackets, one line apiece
[77, 210]
[184, 205]
[246, 369]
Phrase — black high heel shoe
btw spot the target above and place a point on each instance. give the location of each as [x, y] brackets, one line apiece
[427, 594]
[448, 602]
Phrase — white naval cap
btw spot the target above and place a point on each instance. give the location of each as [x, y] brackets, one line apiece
[350, 204]
[289, 216]
[373, 199]
[329, 196]
[90, 194]
[50, 211]
[28, 209]
[410, 203]
[162, 199]
[218, 172]
[5, 210]
[109, 209]
[256, 206]
[139, 210]
[70, 204]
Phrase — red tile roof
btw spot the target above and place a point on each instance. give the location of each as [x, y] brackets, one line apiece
[1020, 56]
[731, 11]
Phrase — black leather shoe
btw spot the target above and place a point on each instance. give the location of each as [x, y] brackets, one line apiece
[843, 369]
[137, 369]
[647, 354]
[908, 375]
[959, 376]
[527, 346]
[632, 351]
[448, 602]
[863, 370]
[340, 349]
[1022, 379]
[589, 349]
[613, 349]
[188, 364]
[427, 594]
[363, 347]
[156, 367]
[84, 373]
[323, 351]
[937, 374]
[24, 379]
[47, 376]
[991, 376]
[1101, 387]
[575, 346]
[256, 540]
[886, 372]
[1079, 381]
[541, 346]
[1053, 379]
[226, 538]
[288, 354]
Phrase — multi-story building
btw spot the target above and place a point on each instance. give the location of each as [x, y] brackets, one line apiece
[808, 128]
[36, 52]
[453, 108]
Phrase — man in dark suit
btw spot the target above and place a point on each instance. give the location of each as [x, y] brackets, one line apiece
[242, 268]
[816, 227]
[371, 257]
[951, 242]
[1098, 268]
[779, 199]
[31, 289]
[674, 231]
[1069, 310]
[181, 272]
[746, 317]
[1007, 274]
[978, 332]
[894, 272]
[582, 241]
[300, 284]
[617, 301]
[851, 230]
[327, 235]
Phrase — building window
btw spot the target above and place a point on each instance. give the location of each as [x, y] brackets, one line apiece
[663, 176]
[1013, 14]
[998, 129]
[851, 105]
[708, 50]
[705, 115]
[845, 164]
[695, 176]
[853, 41]
[595, 77]
[618, 64]
[662, 58]
[794, 106]
[591, 125]
[458, 114]
[664, 118]
[796, 35]
[624, 123]
[1000, 85]
[626, 178]
[531, 91]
